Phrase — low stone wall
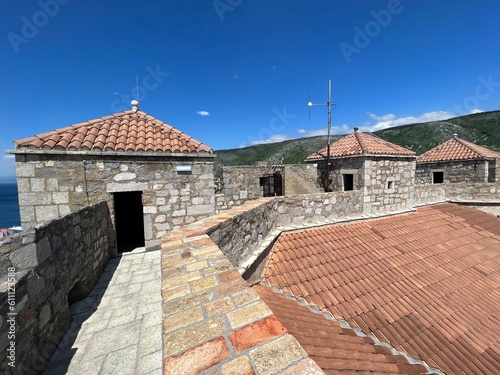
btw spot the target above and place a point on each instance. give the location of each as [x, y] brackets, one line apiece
[240, 239]
[41, 270]
[429, 193]
[463, 192]
[212, 320]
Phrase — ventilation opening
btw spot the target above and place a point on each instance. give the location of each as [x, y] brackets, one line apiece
[129, 220]
[348, 182]
[437, 177]
[390, 184]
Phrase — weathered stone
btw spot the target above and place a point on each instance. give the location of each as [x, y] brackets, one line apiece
[188, 337]
[277, 355]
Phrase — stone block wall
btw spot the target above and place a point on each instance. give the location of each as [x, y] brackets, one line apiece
[240, 239]
[302, 179]
[486, 193]
[45, 264]
[343, 166]
[429, 193]
[389, 184]
[453, 171]
[51, 186]
[242, 183]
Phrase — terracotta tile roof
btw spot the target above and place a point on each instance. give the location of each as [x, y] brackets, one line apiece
[358, 143]
[456, 149]
[426, 282]
[335, 349]
[124, 131]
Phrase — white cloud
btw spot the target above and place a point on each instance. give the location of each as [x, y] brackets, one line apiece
[390, 120]
[336, 129]
[203, 113]
[7, 166]
[474, 111]
[273, 139]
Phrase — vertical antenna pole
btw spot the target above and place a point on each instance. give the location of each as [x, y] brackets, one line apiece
[137, 88]
[329, 105]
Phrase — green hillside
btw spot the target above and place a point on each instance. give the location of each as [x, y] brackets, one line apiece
[481, 128]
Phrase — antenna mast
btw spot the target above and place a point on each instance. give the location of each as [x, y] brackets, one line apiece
[329, 105]
[137, 88]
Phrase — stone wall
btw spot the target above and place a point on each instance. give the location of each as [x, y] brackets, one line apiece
[342, 166]
[242, 183]
[486, 193]
[243, 238]
[51, 186]
[453, 171]
[429, 193]
[302, 179]
[47, 265]
[389, 184]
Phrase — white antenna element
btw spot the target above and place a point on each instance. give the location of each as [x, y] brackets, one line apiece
[328, 104]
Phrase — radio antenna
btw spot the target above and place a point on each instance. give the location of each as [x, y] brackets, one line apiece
[329, 105]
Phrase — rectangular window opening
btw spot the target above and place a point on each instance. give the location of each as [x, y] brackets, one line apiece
[348, 181]
[437, 177]
[390, 184]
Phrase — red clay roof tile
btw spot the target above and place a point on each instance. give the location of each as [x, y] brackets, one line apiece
[456, 149]
[335, 349]
[358, 144]
[125, 131]
[428, 282]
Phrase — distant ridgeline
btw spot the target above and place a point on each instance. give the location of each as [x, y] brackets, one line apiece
[481, 128]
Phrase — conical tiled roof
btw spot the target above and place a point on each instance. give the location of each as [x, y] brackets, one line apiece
[358, 144]
[133, 131]
[456, 149]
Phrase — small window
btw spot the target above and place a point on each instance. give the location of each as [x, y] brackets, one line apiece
[348, 180]
[437, 177]
[390, 184]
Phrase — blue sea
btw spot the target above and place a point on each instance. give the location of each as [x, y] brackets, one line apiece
[9, 206]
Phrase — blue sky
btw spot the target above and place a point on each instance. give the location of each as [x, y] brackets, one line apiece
[233, 73]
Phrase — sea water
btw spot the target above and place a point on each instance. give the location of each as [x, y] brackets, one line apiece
[9, 206]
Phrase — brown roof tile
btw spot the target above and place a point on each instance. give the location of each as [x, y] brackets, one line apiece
[456, 149]
[125, 131]
[427, 282]
[335, 349]
[358, 144]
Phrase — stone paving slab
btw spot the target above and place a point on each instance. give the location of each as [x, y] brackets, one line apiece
[117, 328]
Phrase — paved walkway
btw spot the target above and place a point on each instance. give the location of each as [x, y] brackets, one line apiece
[117, 328]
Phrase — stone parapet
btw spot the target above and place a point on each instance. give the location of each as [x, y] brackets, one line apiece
[43, 270]
[458, 192]
[213, 322]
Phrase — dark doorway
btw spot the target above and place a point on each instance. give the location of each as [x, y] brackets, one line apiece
[348, 180]
[278, 184]
[129, 220]
[272, 185]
